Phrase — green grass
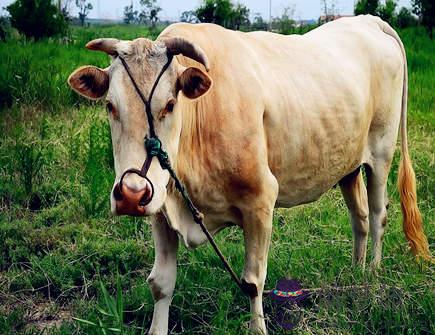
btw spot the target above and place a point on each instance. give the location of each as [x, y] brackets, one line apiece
[60, 249]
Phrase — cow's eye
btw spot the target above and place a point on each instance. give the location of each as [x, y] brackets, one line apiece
[109, 107]
[170, 106]
[112, 110]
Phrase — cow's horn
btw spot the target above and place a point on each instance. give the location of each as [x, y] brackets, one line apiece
[108, 45]
[179, 45]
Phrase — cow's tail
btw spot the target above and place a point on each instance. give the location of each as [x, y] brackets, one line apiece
[412, 221]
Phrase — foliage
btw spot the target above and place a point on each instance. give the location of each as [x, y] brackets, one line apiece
[150, 11]
[405, 18]
[113, 310]
[223, 12]
[188, 16]
[37, 19]
[366, 7]
[29, 160]
[329, 9]
[130, 15]
[387, 11]
[215, 11]
[65, 9]
[84, 10]
[285, 23]
[96, 176]
[425, 10]
[258, 22]
[239, 16]
[5, 27]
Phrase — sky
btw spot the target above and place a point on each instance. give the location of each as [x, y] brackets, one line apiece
[172, 9]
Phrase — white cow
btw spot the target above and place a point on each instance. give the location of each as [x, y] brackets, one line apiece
[285, 119]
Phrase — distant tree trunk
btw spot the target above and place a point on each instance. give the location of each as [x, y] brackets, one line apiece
[82, 19]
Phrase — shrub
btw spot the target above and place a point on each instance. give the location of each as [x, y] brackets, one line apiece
[425, 9]
[223, 12]
[29, 161]
[37, 19]
[5, 27]
[387, 11]
[366, 7]
[405, 18]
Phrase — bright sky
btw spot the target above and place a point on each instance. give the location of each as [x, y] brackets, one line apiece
[172, 9]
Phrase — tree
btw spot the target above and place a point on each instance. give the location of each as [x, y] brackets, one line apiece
[65, 9]
[329, 10]
[188, 16]
[37, 19]
[84, 9]
[4, 28]
[150, 11]
[215, 11]
[425, 10]
[258, 22]
[224, 13]
[239, 16]
[405, 18]
[130, 15]
[366, 7]
[387, 11]
[285, 23]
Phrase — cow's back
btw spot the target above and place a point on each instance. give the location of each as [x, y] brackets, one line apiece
[302, 105]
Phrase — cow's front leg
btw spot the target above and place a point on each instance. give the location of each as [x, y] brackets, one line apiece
[164, 273]
[257, 228]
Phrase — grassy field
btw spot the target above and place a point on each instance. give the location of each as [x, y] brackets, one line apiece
[60, 249]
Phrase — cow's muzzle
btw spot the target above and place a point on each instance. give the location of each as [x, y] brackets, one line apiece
[130, 201]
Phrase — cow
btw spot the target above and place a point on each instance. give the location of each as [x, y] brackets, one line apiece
[253, 121]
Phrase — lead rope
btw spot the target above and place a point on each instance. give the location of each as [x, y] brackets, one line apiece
[153, 147]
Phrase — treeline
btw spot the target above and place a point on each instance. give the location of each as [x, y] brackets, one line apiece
[422, 12]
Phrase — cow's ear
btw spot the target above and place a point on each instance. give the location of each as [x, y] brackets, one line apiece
[194, 83]
[90, 81]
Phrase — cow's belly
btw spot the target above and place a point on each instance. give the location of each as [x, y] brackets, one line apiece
[306, 182]
[318, 147]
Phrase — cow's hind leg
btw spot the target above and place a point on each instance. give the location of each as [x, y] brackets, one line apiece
[164, 273]
[355, 195]
[377, 176]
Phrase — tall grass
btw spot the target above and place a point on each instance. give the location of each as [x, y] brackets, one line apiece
[99, 164]
[35, 73]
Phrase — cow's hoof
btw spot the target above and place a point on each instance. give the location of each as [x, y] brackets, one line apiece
[257, 326]
[154, 331]
[375, 267]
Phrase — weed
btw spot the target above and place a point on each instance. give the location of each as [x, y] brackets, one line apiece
[111, 315]
[96, 172]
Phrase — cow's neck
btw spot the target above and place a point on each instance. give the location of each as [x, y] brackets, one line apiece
[195, 155]
[196, 167]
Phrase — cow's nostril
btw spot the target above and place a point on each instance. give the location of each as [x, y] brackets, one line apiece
[117, 194]
[146, 197]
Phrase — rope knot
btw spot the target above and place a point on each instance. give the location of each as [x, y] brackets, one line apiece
[153, 147]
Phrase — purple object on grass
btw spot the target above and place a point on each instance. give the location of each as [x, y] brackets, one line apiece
[287, 292]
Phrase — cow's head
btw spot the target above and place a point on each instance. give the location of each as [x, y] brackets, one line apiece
[126, 111]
